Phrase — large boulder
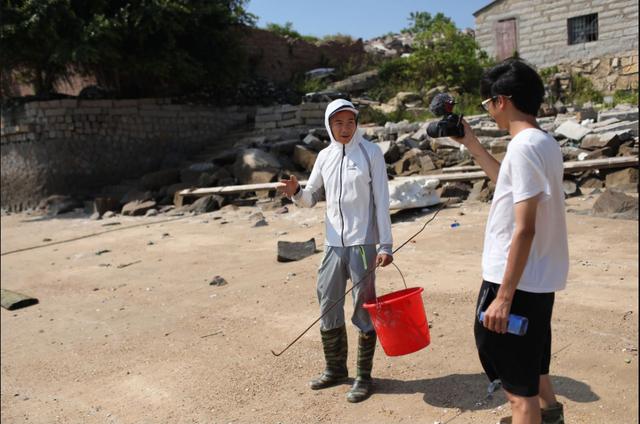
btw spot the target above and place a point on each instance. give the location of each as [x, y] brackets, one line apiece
[304, 157]
[59, 204]
[138, 208]
[164, 177]
[572, 130]
[255, 166]
[192, 173]
[289, 251]
[205, 204]
[625, 179]
[615, 204]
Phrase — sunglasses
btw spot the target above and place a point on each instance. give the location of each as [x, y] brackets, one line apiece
[485, 103]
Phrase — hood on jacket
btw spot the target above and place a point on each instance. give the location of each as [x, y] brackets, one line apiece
[335, 107]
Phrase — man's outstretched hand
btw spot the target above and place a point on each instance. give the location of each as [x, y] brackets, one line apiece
[289, 187]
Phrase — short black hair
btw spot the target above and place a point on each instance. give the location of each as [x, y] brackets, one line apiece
[517, 79]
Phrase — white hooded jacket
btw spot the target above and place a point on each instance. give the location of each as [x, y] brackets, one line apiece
[355, 182]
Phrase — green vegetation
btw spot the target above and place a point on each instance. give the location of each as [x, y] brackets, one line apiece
[582, 91]
[287, 30]
[137, 47]
[443, 56]
[625, 96]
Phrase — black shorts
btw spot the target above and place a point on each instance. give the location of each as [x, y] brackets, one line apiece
[518, 361]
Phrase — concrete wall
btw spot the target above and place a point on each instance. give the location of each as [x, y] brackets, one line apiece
[542, 39]
[67, 146]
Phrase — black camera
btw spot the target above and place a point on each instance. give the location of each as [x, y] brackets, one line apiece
[451, 124]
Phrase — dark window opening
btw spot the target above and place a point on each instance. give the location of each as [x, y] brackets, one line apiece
[583, 29]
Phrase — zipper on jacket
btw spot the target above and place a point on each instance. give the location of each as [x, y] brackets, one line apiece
[340, 198]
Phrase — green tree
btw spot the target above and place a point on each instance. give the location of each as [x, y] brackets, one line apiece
[442, 55]
[137, 47]
[423, 21]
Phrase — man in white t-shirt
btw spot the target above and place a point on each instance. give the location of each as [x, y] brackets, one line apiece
[525, 258]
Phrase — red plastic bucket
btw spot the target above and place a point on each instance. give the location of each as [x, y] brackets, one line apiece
[400, 321]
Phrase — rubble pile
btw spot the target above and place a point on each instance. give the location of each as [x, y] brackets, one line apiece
[269, 153]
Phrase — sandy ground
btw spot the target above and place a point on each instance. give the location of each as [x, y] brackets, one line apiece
[153, 342]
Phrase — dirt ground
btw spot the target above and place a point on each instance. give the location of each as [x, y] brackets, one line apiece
[153, 342]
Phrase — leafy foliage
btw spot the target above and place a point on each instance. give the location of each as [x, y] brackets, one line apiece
[442, 56]
[137, 47]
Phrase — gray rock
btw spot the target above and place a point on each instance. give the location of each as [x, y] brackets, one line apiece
[151, 212]
[394, 152]
[602, 140]
[205, 204]
[218, 281]
[572, 130]
[625, 179]
[155, 180]
[135, 195]
[455, 189]
[304, 157]
[108, 214]
[59, 204]
[411, 162]
[630, 114]
[314, 143]
[137, 207]
[261, 223]
[630, 126]
[615, 204]
[192, 173]
[356, 83]
[289, 251]
[254, 166]
[570, 188]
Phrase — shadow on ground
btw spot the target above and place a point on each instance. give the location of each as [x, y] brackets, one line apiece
[468, 392]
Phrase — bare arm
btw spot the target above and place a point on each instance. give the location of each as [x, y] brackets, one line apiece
[487, 162]
[496, 317]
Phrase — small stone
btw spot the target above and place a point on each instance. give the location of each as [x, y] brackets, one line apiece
[218, 281]
[261, 223]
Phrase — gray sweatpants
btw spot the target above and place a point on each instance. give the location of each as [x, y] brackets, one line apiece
[338, 265]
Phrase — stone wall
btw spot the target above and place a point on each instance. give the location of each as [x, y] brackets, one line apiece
[285, 116]
[278, 59]
[542, 37]
[70, 146]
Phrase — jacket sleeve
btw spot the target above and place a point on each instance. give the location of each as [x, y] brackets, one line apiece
[380, 186]
[308, 197]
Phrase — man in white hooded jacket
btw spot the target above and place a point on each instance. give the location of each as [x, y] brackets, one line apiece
[353, 175]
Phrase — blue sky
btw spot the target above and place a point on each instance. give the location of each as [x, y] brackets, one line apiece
[359, 18]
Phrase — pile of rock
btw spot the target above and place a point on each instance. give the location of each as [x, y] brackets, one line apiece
[269, 154]
[390, 46]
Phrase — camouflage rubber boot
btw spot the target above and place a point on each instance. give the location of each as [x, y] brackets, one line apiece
[334, 344]
[362, 386]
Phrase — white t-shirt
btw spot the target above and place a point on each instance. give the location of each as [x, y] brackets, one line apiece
[532, 165]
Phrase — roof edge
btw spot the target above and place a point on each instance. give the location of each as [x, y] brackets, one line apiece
[483, 9]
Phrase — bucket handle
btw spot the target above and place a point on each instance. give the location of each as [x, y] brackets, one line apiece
[403, 281]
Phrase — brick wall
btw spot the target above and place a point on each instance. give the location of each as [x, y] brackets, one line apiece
[285, 116]
[67, 146]
[542, 36]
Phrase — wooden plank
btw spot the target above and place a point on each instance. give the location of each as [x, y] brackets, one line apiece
[573, 166]
[232, 189]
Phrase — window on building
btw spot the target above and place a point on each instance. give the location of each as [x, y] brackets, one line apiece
[583, 29]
